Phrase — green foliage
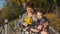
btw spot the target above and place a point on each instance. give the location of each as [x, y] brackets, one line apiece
[11, 11]
[14, 8]
[54, 22]
[4, 12]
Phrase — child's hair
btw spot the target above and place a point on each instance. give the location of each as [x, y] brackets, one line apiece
[41, 11]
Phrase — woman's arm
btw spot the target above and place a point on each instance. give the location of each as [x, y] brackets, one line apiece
[23, 17]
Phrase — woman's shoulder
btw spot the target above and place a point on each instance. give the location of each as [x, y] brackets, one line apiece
[25, 14]
[34, 17]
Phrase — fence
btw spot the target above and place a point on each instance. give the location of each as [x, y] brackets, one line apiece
[8, 28]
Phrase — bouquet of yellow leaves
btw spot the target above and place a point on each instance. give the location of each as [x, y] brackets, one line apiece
[28, 20]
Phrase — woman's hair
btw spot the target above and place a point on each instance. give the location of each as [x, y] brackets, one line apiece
[30, 4]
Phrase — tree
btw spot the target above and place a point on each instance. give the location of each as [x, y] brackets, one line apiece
[57, 3]
[11, 10]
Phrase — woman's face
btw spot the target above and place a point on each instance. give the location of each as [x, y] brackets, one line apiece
[29, 10]
[39, 15]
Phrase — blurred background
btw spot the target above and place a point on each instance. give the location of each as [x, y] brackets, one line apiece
[11, 9]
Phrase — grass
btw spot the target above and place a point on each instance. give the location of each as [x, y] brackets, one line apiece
[54, 22]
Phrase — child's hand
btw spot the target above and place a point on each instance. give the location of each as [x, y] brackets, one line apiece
[46, 25]
[40, 27]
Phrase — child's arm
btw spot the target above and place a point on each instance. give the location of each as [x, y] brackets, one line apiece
[34, 30]
[46, 26]
[40, 27]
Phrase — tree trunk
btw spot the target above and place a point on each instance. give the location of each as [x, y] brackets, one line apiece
[58, 12]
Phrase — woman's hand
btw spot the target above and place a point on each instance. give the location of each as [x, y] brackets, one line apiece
[25, 24]
[25, 29]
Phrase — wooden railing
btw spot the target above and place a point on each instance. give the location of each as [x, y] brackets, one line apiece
[7, 28]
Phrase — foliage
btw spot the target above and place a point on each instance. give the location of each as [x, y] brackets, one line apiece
[1, 18]
[11, 11]
[54, 22]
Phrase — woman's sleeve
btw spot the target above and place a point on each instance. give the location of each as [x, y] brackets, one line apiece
[22, 19]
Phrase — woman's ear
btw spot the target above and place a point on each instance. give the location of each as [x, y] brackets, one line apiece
[32, 11]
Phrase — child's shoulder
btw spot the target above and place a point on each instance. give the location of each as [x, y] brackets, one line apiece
[46, 20]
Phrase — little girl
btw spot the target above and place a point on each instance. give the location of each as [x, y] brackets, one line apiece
[40, 24]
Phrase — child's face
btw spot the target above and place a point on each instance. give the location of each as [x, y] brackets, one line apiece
[39, 15]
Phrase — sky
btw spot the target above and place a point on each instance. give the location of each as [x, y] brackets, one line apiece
[1, 3]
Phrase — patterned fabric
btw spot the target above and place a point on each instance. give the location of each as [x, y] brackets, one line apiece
[26, 15]
[39, 22]
[23, 17]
